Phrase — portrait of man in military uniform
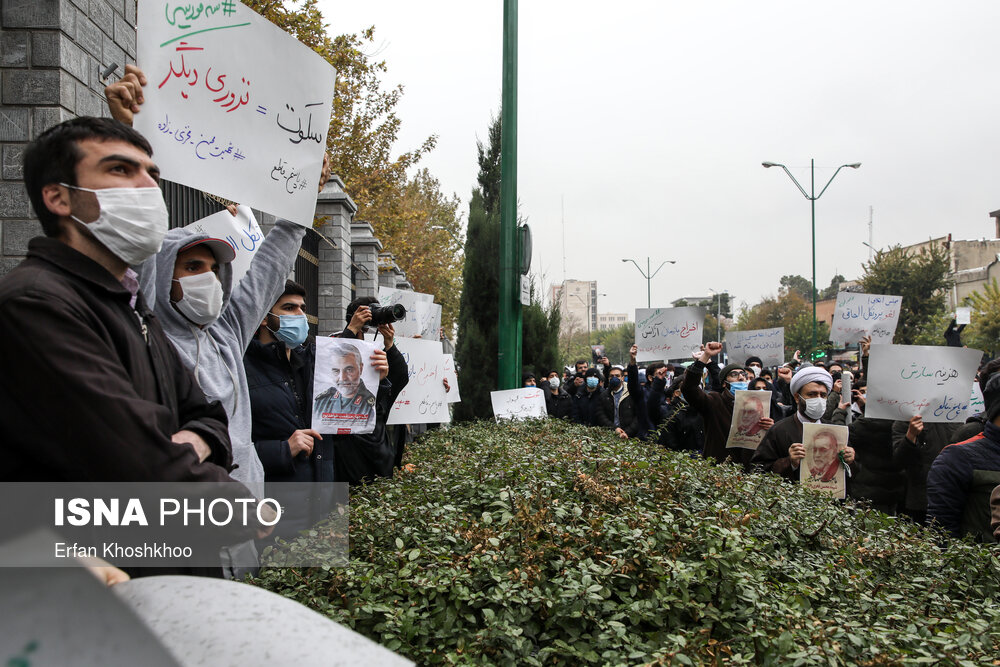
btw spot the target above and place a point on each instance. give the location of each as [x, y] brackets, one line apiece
[348, 406]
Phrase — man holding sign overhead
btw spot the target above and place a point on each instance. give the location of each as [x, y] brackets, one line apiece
[716, 407]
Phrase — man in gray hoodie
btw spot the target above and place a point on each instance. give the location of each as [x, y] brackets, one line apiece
[211, 334]
[211, 321]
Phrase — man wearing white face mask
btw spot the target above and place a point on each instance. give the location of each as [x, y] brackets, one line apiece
[95, 392]
[781, 451]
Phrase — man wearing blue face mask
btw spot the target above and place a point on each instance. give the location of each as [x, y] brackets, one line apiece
[716, 407]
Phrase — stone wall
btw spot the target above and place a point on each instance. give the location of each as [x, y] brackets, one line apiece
[52, 53]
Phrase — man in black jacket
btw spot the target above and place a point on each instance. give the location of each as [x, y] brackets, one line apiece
[79, 339]
[361, 457]
[95, 392]
[558, 402]
[591, 406]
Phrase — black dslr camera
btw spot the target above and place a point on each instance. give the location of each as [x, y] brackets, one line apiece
[386, 314]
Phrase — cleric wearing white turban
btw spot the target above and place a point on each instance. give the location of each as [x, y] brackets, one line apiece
[811, 374]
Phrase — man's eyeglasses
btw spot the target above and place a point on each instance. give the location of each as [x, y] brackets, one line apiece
[737, 375]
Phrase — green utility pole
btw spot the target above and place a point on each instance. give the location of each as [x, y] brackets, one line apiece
[812, 197]
[509, 332]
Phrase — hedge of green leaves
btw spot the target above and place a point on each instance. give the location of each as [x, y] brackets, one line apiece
[548, 543]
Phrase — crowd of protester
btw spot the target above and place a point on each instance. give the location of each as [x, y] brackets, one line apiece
[946, 474]
[138, 358]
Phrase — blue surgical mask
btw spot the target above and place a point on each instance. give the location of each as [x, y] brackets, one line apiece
[592, 382]
[292, 330]
[615, 383]
[738, 386]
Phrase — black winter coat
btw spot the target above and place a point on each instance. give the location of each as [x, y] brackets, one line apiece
[93, 389]
[881, 479]
[592, 408]
[680, 426]
[559, 404]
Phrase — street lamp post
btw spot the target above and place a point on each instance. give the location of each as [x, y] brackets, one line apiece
[812, 197]
[649, 277]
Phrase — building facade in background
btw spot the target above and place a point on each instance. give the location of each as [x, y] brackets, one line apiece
[577, 301]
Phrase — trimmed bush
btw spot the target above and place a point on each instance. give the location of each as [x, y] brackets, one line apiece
[548, 543]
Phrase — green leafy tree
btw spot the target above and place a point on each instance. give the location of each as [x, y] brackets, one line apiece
[983, 332]
[922, 279]
[797, 284]
[831, 291]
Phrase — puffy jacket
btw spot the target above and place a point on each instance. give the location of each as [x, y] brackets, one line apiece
[881, 479]
[960, 482]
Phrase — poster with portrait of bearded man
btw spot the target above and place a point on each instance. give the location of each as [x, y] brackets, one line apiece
[822, 469]
[344, 386]
[749, 408]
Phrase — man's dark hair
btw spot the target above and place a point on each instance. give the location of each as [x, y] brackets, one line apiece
[581, 361]
[991, 367]
[293, 288]
[53, 156]
[357, 303]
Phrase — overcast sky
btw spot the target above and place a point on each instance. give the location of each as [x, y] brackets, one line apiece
[651, 120]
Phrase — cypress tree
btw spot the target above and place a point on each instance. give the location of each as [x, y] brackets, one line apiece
[478, 318]
[478, 315]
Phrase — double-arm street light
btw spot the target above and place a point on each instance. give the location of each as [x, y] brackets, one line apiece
[812, 197]
[649, 276]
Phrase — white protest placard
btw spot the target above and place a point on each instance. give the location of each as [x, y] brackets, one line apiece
[423, 400]
[667, 333]
[977, 403]
[768, 344]
[449, 373]
[749, 408]
[523, 403]
[822, 468]
[242, 232]
[926, 380]
[234, 105]
[963, 315]
[345, 384]
[430, 322]
[418, 310]
[860, 315]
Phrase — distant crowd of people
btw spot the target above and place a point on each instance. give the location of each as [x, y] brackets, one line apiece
[940, 473]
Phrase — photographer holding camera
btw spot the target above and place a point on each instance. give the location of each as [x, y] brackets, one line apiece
[360, 458]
